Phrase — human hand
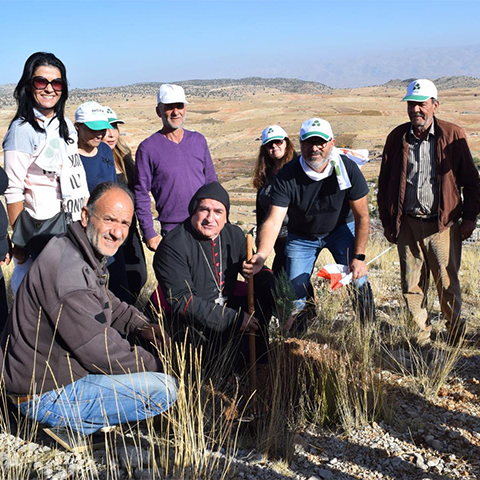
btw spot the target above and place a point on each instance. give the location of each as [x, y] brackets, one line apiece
[153, 243]
[358, 268]
[249, 323]
[389, 235]
[253, 266]
[466, 228]
[153, 332]
[20, 254]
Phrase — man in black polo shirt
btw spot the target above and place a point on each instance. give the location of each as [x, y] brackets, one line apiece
[325, 195]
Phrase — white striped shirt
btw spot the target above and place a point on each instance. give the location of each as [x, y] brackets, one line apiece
[421, 195]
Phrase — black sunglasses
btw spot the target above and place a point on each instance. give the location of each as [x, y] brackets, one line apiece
[40, 83]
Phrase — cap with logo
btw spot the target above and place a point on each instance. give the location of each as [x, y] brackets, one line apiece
[93, 115]
[171, 94]
[420, 90]
[112, 116]
[273, 132]
[316, 127]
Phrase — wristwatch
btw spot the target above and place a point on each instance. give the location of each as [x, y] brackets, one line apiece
[359, 256]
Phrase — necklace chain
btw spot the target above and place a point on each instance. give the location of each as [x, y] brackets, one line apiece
[217, 284]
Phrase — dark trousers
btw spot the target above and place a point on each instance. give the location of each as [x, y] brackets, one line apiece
[228, 351]
[280, 260]
[3, 302]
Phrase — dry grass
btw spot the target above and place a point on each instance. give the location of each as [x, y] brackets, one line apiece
[330, 376]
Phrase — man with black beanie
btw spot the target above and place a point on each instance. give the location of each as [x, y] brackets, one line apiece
[197, 266]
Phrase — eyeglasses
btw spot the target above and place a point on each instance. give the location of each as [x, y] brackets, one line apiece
[40, 83]
[273, 142]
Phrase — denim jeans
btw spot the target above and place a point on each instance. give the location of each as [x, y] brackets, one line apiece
[302, 253]
[97, 401]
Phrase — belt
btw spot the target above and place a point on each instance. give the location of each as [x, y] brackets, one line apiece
[18, 399]
[424, 219]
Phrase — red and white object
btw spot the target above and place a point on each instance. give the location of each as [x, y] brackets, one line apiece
[360, 157]
[337, 274]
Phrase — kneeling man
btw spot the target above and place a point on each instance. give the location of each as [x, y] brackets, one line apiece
[197, 266]
[66, 360]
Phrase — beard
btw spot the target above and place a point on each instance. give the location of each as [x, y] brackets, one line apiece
[93, 236]
[317, 165]
[173, 126]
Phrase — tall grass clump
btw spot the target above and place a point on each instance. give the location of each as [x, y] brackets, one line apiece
[183, 442]
[327, 376]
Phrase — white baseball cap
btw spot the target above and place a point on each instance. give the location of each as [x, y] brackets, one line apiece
[112, 116]
[171, 94]
[316, 127]
[273, 132]
[420, 90]
[93, 115]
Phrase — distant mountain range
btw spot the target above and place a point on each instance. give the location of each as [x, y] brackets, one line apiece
[442, 83]
[232, 89]
[376, 69]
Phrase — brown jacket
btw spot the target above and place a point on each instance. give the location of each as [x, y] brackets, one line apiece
[456, 172]
[66, 324]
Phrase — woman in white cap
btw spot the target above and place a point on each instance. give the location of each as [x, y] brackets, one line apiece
[41, 161]
[125, 168]
[91, 122]
[276, 150]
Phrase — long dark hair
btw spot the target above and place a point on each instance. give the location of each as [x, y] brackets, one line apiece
[265, 164]
[23, 92]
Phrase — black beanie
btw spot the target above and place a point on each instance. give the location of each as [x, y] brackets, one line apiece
[212, 190]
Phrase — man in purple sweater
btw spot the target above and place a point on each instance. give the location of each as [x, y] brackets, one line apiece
[173, 164]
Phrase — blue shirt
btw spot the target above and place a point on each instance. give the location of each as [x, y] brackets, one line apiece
[99, 168]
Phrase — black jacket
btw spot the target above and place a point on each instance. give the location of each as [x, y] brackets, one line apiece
[3, 217]
[187, 281]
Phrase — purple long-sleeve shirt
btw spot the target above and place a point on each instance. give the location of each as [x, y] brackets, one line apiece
[173, 172]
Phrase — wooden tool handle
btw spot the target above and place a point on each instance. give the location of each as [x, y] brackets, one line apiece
[251, 335]
[251, 300]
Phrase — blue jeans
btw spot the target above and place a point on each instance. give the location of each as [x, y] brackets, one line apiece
[97, 401]
[302, 253]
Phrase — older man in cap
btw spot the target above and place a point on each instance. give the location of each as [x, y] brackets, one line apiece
[172, 164]
[428, 199]
[197, 266]
[325, 195]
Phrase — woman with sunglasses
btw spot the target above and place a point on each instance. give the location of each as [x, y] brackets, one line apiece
[125, 168]
[276, 150]
[46, 179]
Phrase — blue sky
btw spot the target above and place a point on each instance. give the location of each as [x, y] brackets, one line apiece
[121, 42]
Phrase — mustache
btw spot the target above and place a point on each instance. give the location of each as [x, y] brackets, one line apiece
[113, 238]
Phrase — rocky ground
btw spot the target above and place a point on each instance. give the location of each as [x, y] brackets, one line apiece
[438, 439]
